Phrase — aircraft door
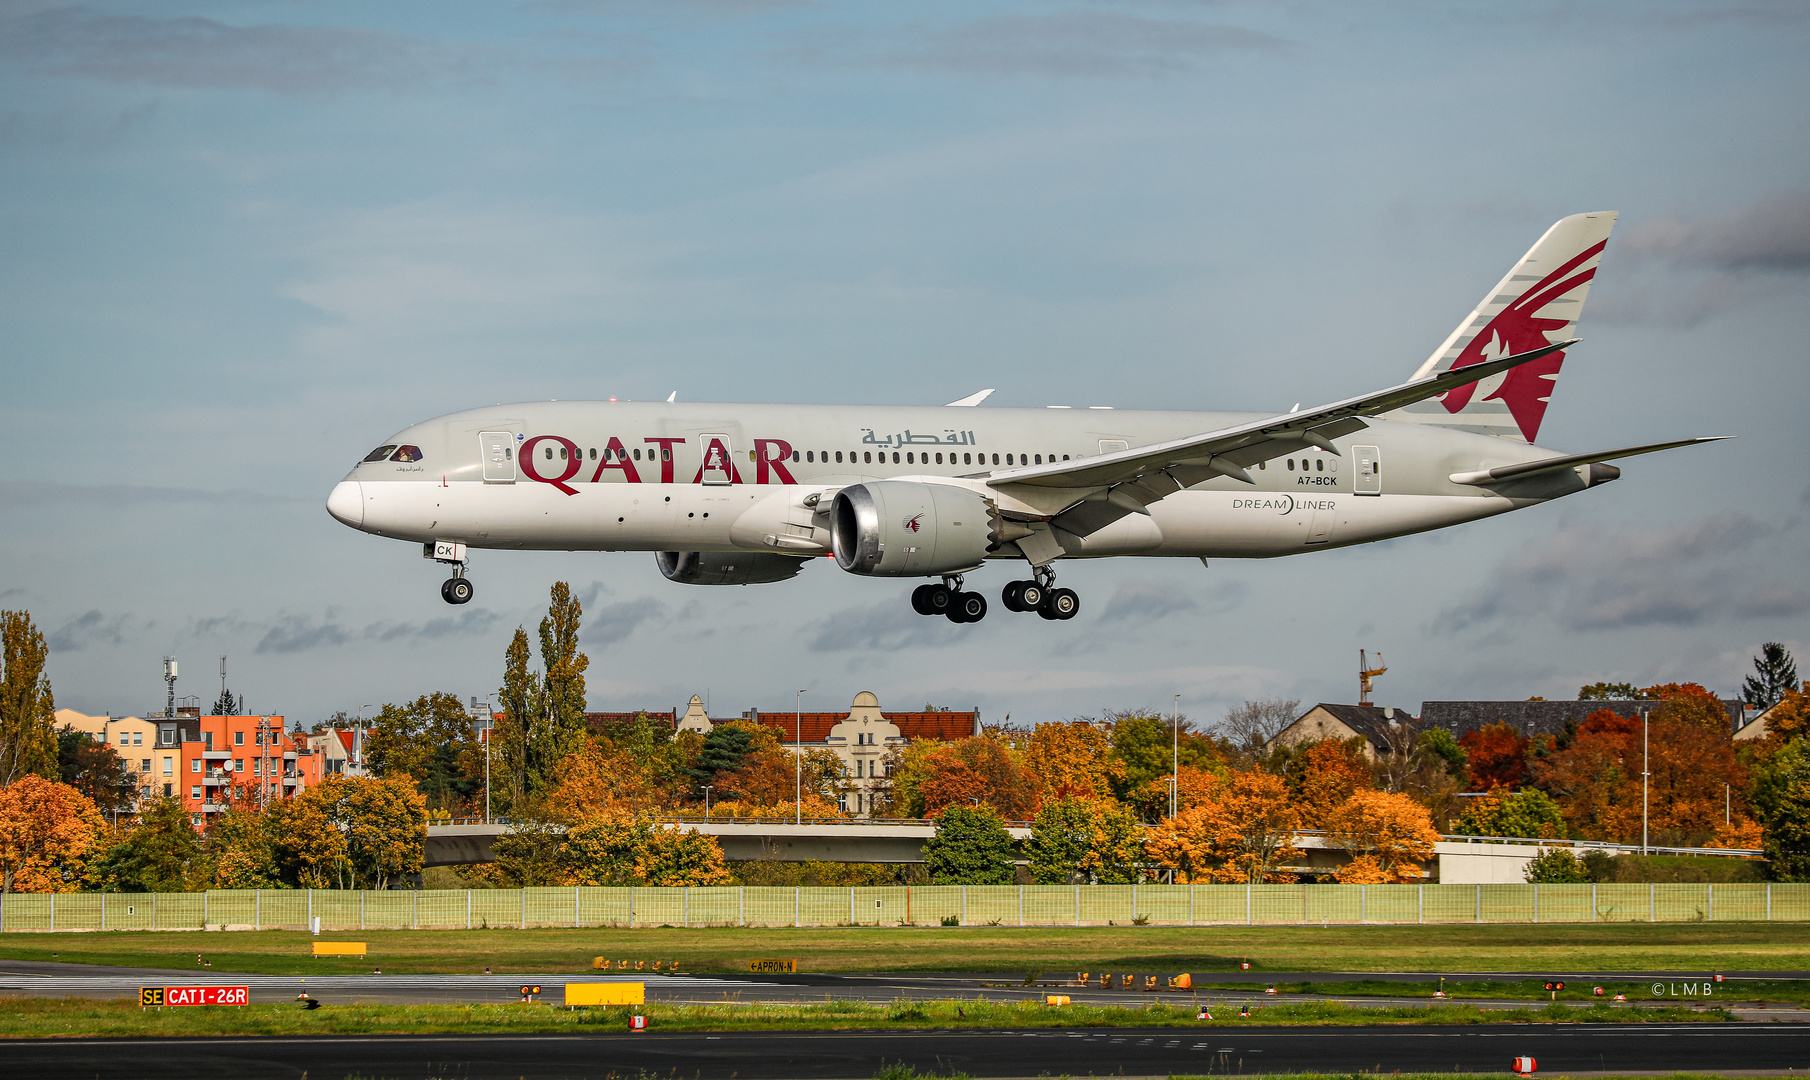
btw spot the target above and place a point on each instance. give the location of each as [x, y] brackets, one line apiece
[497, 449]
[719, 462]
[1367, 478]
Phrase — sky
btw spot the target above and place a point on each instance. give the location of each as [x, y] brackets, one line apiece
[242, 243]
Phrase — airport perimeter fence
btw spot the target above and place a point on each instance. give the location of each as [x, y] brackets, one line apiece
[919, 905]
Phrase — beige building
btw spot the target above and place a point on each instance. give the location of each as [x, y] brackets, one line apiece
[1342, 722]
[134, 739]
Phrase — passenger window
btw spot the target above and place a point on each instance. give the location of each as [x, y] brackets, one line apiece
[1262, 465]
[1039, 459]
[1291, 464]
[549, 450]
[1319, 465]
[838, 457]
[406, 454]
[869, 455]
[908, 460]
[381, 452]
[794, 457]
[1064, 457]
[666, 453]
[995, 459]
[939, 458]
[895, 457]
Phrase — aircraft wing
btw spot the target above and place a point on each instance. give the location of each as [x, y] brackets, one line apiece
[1504, 473]
[1108, 486]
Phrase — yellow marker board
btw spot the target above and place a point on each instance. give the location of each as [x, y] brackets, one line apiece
[774, 967]
[339, 948]
[606, 993]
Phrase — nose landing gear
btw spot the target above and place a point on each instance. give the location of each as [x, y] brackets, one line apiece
[1041, 595]
[456, 589]
[948, 600]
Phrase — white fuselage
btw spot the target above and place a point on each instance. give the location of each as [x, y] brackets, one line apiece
[624, 476]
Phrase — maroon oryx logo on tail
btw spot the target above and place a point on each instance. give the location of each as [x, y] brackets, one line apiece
[1526, 389]
[914, 523]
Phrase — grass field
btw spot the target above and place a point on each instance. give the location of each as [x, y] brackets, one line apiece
[47, 1018]
[1055, 953]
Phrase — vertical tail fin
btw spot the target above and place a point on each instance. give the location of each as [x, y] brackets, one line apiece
[1537, 303]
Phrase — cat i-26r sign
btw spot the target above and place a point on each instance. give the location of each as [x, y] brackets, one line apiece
[193, 995]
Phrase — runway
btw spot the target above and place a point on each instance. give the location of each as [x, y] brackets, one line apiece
[1570, 1049]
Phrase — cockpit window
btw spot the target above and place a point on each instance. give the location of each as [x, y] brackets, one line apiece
[406, 453]
[380, 453]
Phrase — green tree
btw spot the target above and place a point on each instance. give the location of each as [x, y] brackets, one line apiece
[520, 698]
[971, 847]
[1556, 866]
[1775, 672]
[161, 853]
[1529, 812]
[1781, 802]
[1607, 691]
[1097, 840]
[615, 849]
[725, 749]
[241, 848]
[1440, 743]
[1142, 743]
[28, 742]
[531, 854]
[95, 769]
[226, 704]
[430, 741]
[565, 667]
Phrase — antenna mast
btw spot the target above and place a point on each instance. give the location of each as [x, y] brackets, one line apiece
[1366, 673]
[169, 678]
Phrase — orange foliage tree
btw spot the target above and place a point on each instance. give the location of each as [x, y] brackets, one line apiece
[1790, 718]
[1243, 834]
[1390, 835]
[977, 771]
[1697, 779]
[47, 831]
[1072, 760]
[1688, 703]
[1325, 774]
[1495, 757]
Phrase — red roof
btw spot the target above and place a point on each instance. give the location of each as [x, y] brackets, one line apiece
[913, 725]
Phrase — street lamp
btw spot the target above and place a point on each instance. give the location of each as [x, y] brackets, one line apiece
[707, 788]
[1175, 753]
[798, 752]
[358, 740]
[1644, 774]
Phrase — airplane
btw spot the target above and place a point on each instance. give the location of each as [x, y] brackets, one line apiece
[740, 494]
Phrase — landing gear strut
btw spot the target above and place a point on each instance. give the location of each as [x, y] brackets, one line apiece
[948, 600]
[1040, 594]
[456, 589]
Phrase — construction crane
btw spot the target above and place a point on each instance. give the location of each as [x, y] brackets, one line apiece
[1366, 673]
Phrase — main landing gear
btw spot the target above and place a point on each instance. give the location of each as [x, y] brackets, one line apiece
[948, 600]
[1041, 595]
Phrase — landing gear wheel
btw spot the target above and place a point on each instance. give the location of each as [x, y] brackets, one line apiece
[931, 599]
[967, 607]
[456, 591]
[1011, 596]
[1060, 604]
[1032, 595]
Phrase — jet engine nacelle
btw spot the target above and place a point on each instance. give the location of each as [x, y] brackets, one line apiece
[899, 528]
[726, 567]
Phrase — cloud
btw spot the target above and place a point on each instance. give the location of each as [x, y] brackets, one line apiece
[299, 633]
[47, 493]
[613, 622]
[883, 627]
[473, 621]
[1592, 579]
[1147, 601]
[88, 628]
[1771, 233]
[195, 52]
[1077, 44]
[21, 128]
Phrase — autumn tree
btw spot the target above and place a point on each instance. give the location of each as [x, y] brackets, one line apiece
[1072, 759]
[308, 846]
[1244, 834]
[28, 742]
[970, 847]
[1388, 835]
[1596, 780]
[350, 833]
[1790, 718]
[241, 850]
[1688, 703]
[972, 771]
[635, 849]
[1094, 840]
[47, 832]
[1322, 775]
[161, 853]
[1775, 672]
[1495, 757]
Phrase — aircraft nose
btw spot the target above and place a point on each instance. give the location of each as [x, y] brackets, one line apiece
[347, 503]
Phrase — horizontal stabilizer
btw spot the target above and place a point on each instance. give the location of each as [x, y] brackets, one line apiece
[1503, 473]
